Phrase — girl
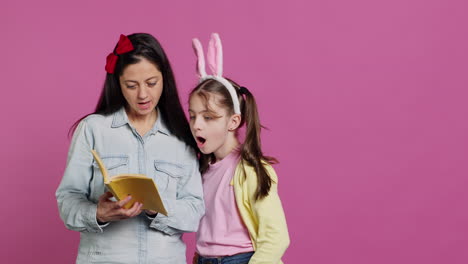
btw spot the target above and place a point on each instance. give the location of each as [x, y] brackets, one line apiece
[138, 127]
[244, 220]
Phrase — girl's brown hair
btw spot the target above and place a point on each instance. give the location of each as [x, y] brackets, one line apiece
[251, 151]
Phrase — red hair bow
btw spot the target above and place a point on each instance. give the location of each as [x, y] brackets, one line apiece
[123, 46]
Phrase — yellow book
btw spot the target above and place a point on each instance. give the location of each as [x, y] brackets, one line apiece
[139, 186]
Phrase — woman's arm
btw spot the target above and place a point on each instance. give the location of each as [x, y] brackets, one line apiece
[76, 211]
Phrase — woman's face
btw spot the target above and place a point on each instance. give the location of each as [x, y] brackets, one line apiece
[141, 85]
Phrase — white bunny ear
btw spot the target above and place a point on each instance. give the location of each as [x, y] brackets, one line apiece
[215, 55]
[197, 47]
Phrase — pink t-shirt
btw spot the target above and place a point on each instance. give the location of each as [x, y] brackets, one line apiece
[221, 231]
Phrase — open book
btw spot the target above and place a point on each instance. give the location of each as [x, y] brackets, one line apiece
[139, 186]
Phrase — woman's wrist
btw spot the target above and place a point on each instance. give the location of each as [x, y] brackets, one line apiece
[101, 223]
[151, 214]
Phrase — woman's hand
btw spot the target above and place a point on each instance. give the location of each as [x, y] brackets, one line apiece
[108, 210]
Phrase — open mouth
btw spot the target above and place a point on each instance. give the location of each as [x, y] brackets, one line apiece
[200, 141]
[144, 105]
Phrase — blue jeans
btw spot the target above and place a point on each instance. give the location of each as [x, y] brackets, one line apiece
[242, 258]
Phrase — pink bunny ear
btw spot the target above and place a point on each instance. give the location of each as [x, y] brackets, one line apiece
[197, 47]
[215, 55]
[215, 61]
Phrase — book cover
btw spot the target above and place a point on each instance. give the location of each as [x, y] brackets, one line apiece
[142, 188]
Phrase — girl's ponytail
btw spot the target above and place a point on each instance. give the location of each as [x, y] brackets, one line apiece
[251, 150]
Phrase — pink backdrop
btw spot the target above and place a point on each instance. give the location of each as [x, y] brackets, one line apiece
[365, 101]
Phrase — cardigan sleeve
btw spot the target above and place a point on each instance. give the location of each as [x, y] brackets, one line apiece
[273, 238]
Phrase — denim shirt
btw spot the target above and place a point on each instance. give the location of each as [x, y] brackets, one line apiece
[159, 155]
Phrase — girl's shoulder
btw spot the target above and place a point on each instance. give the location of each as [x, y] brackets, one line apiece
[250, 175]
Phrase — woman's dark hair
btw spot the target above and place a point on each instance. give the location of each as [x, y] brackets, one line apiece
[111, 99]
[251, 150]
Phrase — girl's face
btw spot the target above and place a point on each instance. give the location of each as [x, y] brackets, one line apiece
[141, 85]
[213, 128]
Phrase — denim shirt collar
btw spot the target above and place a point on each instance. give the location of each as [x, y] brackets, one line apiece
[120, 119]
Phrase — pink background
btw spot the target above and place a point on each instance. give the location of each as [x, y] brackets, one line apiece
[365, 101]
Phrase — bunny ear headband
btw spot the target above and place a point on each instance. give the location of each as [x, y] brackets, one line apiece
[215, 61]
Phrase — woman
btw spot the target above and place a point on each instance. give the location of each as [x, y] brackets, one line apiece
[138, 127]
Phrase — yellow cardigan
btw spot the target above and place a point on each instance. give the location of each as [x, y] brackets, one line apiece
[263, 218]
